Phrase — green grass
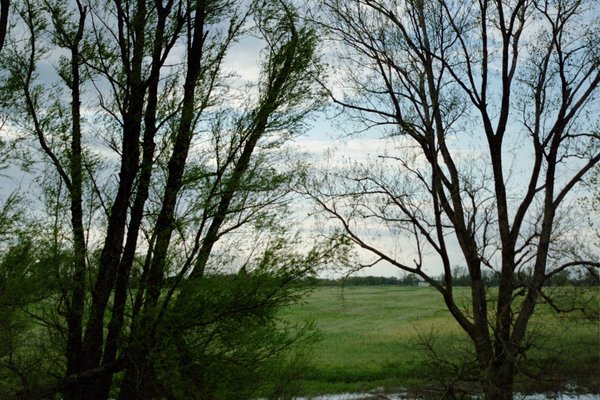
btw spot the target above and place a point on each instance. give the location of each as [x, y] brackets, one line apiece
[370, 338]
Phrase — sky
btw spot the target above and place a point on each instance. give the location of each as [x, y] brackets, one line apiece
[325, 139]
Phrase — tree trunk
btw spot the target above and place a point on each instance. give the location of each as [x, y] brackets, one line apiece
[4, 10]
[138, 381]
[496, 368]
[498, 381]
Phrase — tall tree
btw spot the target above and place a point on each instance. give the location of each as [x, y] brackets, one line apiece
[490, 111]
[160, 159]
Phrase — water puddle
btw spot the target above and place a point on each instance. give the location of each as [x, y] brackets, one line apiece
[559, 396]
[404, 396]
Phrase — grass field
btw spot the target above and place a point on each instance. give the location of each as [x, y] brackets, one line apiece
[372, 337]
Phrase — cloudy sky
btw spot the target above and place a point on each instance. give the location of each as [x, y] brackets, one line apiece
[327, 142]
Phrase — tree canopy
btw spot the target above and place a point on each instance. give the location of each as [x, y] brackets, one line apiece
[490, 115]
[157, 209]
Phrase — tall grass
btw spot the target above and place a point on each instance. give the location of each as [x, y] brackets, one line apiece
[373, 337]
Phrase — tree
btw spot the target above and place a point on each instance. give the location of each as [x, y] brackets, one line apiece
[153, 162]
[4, 11]
[489, 110]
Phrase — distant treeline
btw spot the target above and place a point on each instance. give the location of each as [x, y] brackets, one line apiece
[358, 281]
[587, 278]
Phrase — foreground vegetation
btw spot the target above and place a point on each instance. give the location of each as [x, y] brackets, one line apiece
[151, 218]
[386, 336]
[151, 172]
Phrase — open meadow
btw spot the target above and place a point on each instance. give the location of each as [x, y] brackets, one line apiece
[392, 337]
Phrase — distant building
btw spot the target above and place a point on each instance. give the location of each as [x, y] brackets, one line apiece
[423, 284]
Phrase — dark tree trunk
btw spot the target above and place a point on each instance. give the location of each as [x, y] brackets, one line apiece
[139, 380]
[497, 381]
[4, 10]
[76, 296]
[114, 335]
[110, 256]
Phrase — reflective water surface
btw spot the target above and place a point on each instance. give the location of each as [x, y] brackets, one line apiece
[404, 396]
